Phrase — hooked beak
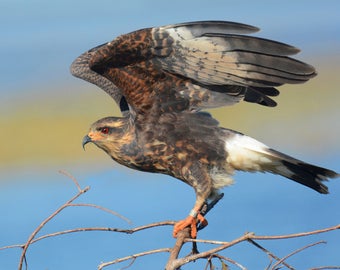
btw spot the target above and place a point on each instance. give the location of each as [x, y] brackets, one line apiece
[86, 140]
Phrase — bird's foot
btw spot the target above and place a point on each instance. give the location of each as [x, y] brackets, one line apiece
[191, 221]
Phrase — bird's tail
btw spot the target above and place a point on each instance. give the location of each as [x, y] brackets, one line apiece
[248, 154]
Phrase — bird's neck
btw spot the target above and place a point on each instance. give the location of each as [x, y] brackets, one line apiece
[125, 149]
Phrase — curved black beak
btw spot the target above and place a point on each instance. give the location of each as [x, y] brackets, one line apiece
[86, 140]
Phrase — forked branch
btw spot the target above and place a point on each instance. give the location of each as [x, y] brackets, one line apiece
[175, 261]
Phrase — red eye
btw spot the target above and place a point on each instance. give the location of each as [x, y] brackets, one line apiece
[105, 130]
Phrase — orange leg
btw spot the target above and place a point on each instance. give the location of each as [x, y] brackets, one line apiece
[190, 221]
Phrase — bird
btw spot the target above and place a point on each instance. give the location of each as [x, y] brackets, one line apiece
[165, 78]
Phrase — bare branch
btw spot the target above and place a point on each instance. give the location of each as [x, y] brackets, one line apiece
[174, 262]
[325, 267]
[133, 257]
[213, 242]
[103, 209]
[179, 262]
[295, 252]
[89, 229]
[70, 176]
[181, 236]
[295, 235]
[35, 232]
[229, 260]
[270, 254]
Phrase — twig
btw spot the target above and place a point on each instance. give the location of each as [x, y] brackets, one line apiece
[295, 252]
[229, 260]
[35, 232]
[89, 229]
[102, 265]
[325, 267]
[103, 209]
[70, 176]
[213, 242]
[270, 254]
[295, 235]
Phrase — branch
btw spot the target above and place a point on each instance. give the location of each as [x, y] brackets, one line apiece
[103, 209]
[222, 258]
[91, 229]
[270, 254]
[133, 257]
[183, 237]
[175, 264]
[42, 224]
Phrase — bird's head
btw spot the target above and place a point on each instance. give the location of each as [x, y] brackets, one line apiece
[109, 134]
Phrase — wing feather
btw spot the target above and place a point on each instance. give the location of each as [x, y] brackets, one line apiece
[190, 66]
[231, 59]
[190, 30]
[80, 68]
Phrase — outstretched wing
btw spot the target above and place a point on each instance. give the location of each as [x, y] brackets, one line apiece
[80, 68]
[195, 65]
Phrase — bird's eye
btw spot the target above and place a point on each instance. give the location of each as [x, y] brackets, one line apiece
[104, 130]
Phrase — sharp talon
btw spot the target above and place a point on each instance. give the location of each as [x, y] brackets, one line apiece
[192, 222]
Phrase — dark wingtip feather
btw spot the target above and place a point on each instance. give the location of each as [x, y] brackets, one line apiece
[260, 95]
[310, 175]
[255, 97]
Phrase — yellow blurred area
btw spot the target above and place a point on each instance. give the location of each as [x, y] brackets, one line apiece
[48, 124]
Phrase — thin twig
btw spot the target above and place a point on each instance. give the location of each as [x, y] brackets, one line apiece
[204, 241]
[295, 235]
[295, 252]
[270, 254]
[70, 176]
[42, 224]
[229, 260]
[134, 256]
[325, 267]
[89, 229]
[103, 209]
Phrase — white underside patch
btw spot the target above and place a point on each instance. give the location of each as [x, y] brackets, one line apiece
[246, 153]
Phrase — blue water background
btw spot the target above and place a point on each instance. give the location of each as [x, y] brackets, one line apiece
[39, 39]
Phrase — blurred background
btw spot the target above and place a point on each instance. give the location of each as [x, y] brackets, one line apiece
[45, 112]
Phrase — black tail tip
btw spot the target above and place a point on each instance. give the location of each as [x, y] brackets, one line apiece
[311, 176]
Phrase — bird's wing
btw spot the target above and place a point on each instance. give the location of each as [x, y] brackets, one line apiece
[80, 68]
[195, 65]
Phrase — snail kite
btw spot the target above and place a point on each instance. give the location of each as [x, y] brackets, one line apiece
[163, 77]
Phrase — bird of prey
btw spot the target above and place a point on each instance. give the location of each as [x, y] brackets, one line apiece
[163, 77]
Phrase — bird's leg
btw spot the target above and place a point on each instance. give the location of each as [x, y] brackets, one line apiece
[208, 206]
[192, 219]
[200, 180]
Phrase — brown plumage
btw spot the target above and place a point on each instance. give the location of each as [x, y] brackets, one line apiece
[162, 77]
